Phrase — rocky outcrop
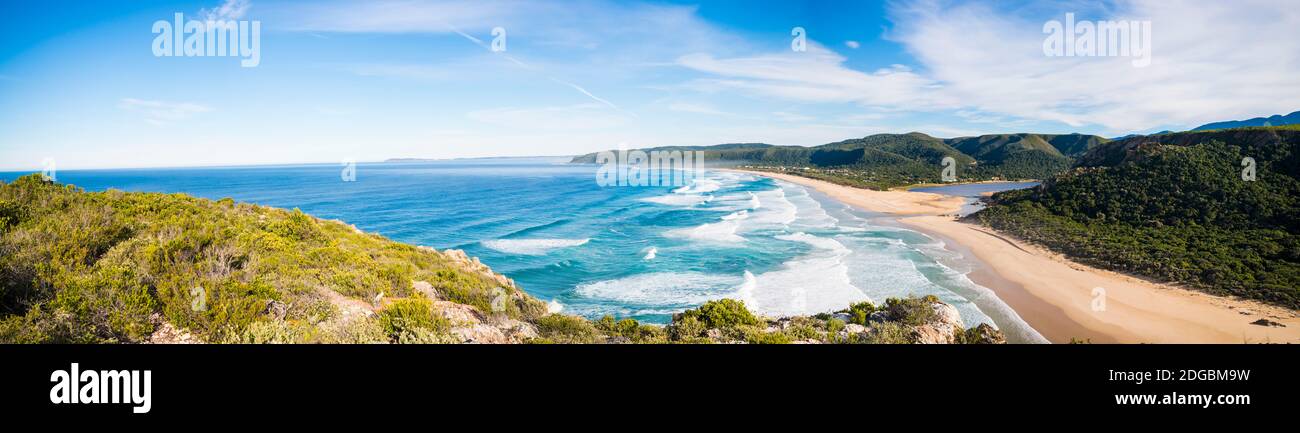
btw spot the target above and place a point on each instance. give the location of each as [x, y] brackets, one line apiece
[472, 264]
[984, 334]
[166, 333]
[469, 325]
[941, 328]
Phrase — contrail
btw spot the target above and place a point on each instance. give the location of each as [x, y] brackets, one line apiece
[480, 43]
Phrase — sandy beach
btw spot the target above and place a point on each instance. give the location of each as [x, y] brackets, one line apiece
[1065, 300]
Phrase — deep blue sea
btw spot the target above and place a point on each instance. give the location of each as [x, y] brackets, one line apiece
[640, 252]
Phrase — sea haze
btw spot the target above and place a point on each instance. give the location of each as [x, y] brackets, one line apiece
[640, 252]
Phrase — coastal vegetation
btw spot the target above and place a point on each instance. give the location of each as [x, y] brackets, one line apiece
[1179, 208]
[884, 161]
[127, 267]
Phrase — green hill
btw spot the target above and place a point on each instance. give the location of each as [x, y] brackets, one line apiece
[125, 267]
[1175, 208]
[889, 160]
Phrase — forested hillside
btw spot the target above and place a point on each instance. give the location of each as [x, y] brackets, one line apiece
[1175, 208]
[889, 160]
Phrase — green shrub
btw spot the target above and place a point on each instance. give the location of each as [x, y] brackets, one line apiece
[722, 314]
[356, 331]
[760, 337]
[834, 325]
[630, 329]
[267, 332]
[886, 333]
[425, 336]
[859, 312]
[803, 332]
[686, 329]
[911, 310]
[565, 329]
[408, 315]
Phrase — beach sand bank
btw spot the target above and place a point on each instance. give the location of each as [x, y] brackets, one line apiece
[1065, 300]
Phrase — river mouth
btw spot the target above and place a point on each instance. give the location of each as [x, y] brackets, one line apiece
[973, 192]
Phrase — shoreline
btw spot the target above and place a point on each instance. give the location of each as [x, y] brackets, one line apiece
[1055, 296]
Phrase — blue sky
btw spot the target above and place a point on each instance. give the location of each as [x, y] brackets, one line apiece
[370, 80]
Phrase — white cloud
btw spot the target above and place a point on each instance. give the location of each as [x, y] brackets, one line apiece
[818, 75]
[162, 112]
[229, 10]
[1210, 61]
[852, 44]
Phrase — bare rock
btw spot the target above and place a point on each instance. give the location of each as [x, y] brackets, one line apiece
[854, 328]
[1266, 322]
[931, 334]
[166, 333]
[518, 331]
[480, 334]
[941, 328]
[458, 314]
[276, 309]
[426, 289]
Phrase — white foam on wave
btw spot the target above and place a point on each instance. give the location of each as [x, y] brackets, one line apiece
[721, 232]
[684, 200]
[808, 211]
[775, 210]
[698, 186]
[532, 247]
[814, 283]
[661, 288]
[740, 214]
[650, 253]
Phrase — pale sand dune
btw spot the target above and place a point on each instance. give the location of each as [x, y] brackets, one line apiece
[1055, 295]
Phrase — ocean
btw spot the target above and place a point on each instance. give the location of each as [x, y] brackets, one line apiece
[639, 252]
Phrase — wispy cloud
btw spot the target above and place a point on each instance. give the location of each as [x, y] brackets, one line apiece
[818, 75]
[1210, 61]
[162, 112]
[229, 10]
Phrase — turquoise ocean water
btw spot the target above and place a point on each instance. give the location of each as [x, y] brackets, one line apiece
[641, 252]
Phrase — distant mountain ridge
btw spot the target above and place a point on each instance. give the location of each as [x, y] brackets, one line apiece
[1274, 120]
[912, 157]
